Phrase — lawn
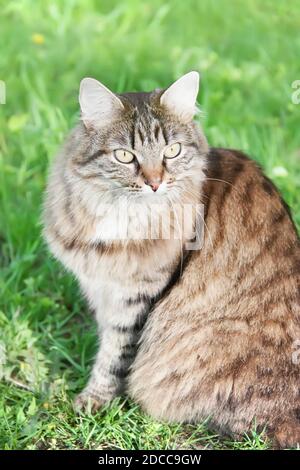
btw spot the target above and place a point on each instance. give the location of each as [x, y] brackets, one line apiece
[248, 54]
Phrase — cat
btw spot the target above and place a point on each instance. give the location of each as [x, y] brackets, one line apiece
[189, 333]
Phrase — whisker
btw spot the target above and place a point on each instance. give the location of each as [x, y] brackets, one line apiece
[219, 180]
[205, 224]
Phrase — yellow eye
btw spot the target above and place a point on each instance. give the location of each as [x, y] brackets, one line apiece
[123, 156]
[172, 151]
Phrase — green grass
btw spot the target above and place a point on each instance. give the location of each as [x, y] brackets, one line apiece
[247, 52]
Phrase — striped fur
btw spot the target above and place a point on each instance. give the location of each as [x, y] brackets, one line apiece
[189, 335]
[121, 280]
[220, 344]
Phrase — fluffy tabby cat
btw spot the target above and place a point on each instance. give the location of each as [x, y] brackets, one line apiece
[222, 322]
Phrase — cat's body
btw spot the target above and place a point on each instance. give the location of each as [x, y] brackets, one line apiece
[221, 343]
[225, 319]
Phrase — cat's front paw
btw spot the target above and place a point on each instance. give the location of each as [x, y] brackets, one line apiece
[88, 401]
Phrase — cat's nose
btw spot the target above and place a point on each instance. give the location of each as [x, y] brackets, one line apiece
[153, 184]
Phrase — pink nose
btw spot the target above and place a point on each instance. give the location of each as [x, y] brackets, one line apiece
[154, 186]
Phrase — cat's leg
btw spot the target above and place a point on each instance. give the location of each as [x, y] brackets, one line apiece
[120, 318]
[116, 352]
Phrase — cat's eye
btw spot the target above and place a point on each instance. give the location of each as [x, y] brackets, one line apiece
[172, 151]
[124, 156]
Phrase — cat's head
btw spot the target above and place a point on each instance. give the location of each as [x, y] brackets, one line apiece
[145, 145]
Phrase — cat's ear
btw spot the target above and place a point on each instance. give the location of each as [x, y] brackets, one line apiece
[180, 98]
[98, 104]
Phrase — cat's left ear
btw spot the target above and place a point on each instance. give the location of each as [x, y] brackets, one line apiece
[98, 104]
[180, 98]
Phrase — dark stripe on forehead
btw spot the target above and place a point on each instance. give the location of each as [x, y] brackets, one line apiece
[164, 133]
[133, 129]
[141, 136]
[132, 135]
[156, 131]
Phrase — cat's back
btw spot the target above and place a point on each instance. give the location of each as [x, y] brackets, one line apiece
[241, 193]
[249, 226]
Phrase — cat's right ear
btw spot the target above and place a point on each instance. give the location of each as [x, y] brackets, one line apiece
[98, 104]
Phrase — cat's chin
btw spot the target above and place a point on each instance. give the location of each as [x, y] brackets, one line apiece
[155, 198]
[151, 198]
